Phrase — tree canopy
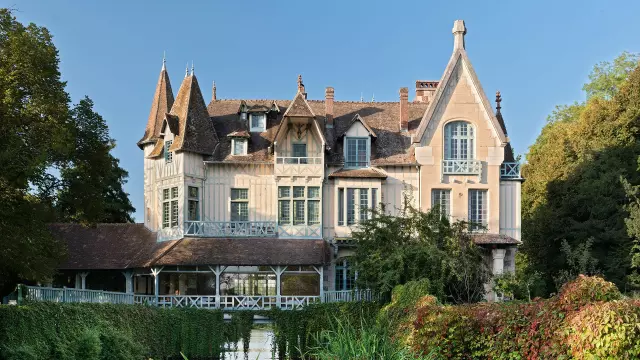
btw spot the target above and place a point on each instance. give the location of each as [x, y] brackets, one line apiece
[41, 137]
[573, 194]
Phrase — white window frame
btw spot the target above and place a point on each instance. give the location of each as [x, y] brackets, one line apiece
[474, 224]
[453, 131]
[170, 207]
[347, 164]
[238, 201]
[244, 146]
[445, 206]
[192, 199]
[360, 213]
[290, 198]
[257, 128]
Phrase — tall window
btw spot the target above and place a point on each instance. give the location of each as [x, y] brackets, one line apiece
[258, 122]
[357, 205]
[357, 153]
[299, 204]
[459, 141]
[442, 199]
[194, 203]
[299, 151]
[239, 146]
[239, 204]
[345, 276]
[170, 207]
[477, 209]
[168, 155]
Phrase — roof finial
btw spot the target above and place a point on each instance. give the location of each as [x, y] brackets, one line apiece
[164, 60]
[373, 98]
[498, 101]
[186, 70]
[213, 92]
[300, 84]
[193, 68]
[459, 30]
[361, 97]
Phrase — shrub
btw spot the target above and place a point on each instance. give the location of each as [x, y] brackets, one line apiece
[89, 347]
[22, 352]
[401, 312]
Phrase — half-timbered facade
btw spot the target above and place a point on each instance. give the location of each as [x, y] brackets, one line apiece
[259, 197]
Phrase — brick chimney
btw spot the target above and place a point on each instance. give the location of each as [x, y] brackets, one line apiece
[425, 90]
[404, 109]
[328, 106]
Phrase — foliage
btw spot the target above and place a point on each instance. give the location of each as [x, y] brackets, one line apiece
[578, 260]
[60, 331]
[394, 250]
[521, 284]
[573, 191]
[91, 184]
[586, 320]
[633, 229]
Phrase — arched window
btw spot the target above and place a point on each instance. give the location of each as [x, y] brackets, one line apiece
[459, 141]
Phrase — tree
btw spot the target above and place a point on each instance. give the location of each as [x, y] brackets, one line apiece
[573, 192]
[633, 228]
[605, 78]
[393, 250]
[91, 184]
[33, 137]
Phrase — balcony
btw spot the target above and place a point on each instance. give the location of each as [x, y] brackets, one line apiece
[230, 228]
[299, 166]
[510, 170]
[461, 167]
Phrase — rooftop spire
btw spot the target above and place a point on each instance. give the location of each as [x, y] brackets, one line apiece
[301, 87]
[361, 97]
[459, 30]
[498, 101]
[162, 103]
[373, 98]
[213, 91]
[186, 70]
[193, 68]
[164, 60]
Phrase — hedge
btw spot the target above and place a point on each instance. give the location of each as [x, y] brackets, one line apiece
[589, 319]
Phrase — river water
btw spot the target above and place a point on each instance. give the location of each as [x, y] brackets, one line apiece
[260, 346]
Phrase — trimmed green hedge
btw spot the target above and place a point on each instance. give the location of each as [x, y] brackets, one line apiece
[587, 320]
[120, 332]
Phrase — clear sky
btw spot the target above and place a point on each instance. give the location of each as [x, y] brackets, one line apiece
[537, 53]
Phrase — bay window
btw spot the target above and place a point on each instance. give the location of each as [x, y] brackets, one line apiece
[357, 204]
[193, 203]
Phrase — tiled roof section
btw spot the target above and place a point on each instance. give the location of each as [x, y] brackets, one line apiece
[390, 146]
[107, 246]
[196, 133]
[158, 149]
[299, 107]
[358, 173]
[494, 239]
[357, 117]
[162, 102]
[240, 133]
[254, 251]
[173, 122]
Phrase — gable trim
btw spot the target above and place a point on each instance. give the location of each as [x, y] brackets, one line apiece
[357, 117]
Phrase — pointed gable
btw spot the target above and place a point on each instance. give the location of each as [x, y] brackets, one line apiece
[195, 129]
[459, 68]
[299, 107]
[357, 118]
[162, 103]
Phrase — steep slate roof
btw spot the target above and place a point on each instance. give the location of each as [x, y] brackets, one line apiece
[125, 246]
[196, 133]
[162, 103]
[389, 147]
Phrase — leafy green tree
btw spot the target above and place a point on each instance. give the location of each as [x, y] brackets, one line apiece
[633, 229]
[606, 77]
[393, 250]
[91, 185]
[573, 192]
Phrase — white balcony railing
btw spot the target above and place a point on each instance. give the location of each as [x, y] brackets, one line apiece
[293, 166]
[230, 228]
[461, 167]
[510, 170]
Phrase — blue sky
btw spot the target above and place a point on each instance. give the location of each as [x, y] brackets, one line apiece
[537, 53]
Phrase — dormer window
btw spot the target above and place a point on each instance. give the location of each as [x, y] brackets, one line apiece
[168, 155]
[239, 146]
[258, 122]
[356, 152]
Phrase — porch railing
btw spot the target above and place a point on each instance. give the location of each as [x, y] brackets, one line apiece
[510, 170]
[230, 228]
[461, 167]
[224, 302]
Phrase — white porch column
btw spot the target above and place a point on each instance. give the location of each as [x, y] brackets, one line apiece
[128, 278]
[83, 276]
[497, 256]
[156, 277]
[278, 270]
[217, 270]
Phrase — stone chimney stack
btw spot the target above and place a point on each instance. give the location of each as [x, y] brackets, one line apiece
[328, 106]
[459, 30]
[213, 92]
[404, 109]
[425, 90]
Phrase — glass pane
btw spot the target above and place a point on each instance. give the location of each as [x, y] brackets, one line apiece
[298, 191]
[238, 146]
[174, 213]
[300, 284]
[352, 156]
[298, 216]
[193, 192]
[174, 192]
[239, 211]
[351, 207]
[284, 212]
[299, 150]
[165, 194]
[239, 194]
[362, 152]
[313, 192]
[284, 192]
[340, 207]
[314, 212]
[374, 198]
[253, 284]
[364, 204]
[194, 211]
[165, 215]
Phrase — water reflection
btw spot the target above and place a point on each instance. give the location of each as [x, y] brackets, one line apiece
[260, 346]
